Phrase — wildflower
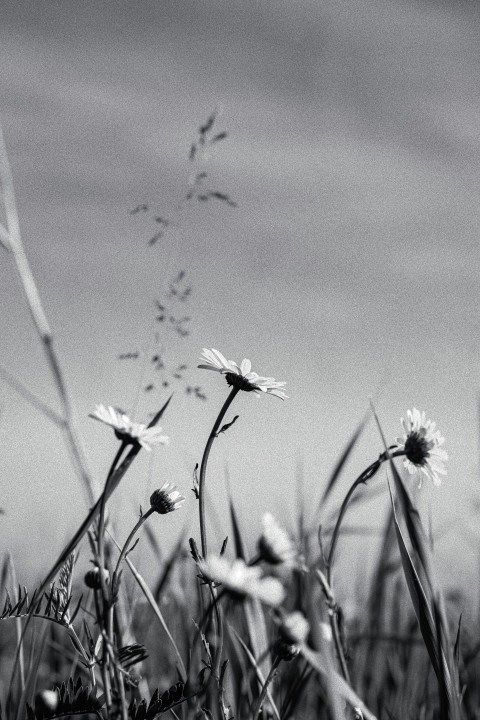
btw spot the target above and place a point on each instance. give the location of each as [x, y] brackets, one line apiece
[421, 445]
[275, 545]
[166, 499]
[241, 376]
[47, 700]
[295, 628]
[128, 431]
[293, 632]
[242, 581]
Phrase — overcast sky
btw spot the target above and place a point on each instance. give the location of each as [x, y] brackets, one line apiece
[350, 265]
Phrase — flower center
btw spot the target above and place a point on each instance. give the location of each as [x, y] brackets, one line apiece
[124, 436]
[239, 382]
[417, 448]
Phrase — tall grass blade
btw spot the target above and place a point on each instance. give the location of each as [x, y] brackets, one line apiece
[172, 559]
[158, 614]
[336, 682]
[257, 632]
[257, 669]
[237, 536]
[344, 457]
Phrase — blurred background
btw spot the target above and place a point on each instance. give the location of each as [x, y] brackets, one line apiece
[347, 267]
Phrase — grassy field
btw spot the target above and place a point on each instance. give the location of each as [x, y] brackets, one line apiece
[230, 633]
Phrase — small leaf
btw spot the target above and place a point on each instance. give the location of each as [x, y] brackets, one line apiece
[225, 427]
[219, 136]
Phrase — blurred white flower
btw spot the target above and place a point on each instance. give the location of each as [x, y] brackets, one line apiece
[127, 430]
[422, 447]
[48, 699]
[275, 545]
[166, 499]
[241, 376]
[241, 580]
[295, 628]
[325, 631]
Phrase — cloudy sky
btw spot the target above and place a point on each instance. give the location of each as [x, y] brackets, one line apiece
[349, 267]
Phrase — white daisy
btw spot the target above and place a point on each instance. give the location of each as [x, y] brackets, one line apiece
[127, 430]
[241, 580]
[241, 376]
[295, 628]
[48, 699]
[275, 545]
[166, 499]
[421, 445]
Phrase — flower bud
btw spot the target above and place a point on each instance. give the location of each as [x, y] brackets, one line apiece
[166, 499]
[92, 578]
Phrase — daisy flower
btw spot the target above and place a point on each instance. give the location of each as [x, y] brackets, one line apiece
[241, 376]
[127, 430]
[48, 700]
[295, 628]
[240, 580]
[166, 499]
[421, 445]
[292, 634]
[275, 545]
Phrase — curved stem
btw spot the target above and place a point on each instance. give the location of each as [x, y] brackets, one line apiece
[129, 539]
[366, 475]
[203, 468]
[267, 682]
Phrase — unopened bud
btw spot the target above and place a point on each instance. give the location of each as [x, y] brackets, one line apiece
[92, 578]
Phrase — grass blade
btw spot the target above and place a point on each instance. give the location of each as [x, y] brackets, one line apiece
[427, 601]
[336, 682]
[344, 457]
[158, 614]
[258, 671]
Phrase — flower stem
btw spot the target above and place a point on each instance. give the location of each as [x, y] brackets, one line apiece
[124, 550]
[203, 468]
[333, 616]
[366, 475]
[101, 519]
[261, 699]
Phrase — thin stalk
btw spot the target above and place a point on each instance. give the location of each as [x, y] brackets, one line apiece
[217, 617]
[104, 660]
[78, 645]
[126, 545]
[101, 520]
[18, 629]
[338, 644]
[203, 468]
[121, 690]
[366, 475]
[332, 614]
[15, 246]
[263, 693]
